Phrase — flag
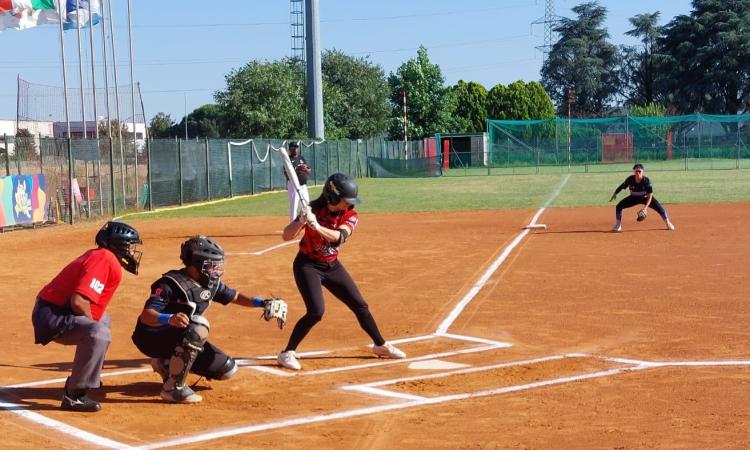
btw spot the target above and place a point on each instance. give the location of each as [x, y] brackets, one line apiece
[80, 16]
[21, 14]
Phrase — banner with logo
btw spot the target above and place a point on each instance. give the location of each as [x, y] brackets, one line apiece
[23, 200]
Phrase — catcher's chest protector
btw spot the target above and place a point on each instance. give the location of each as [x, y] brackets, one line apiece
[198, 297]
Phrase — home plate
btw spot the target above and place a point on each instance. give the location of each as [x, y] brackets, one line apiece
[435, 364]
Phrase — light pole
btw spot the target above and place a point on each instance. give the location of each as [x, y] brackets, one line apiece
[571, 99]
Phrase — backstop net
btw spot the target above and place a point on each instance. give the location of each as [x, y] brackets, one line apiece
[675, 142]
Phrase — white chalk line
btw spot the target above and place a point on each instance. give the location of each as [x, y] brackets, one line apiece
[379, 363]
[458, 309]
[411, 401]
[264, 251]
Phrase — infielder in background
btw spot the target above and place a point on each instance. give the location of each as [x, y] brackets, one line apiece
[172, 329]
[302, 170]
[327, 223]
[641, 193]
[71, 309]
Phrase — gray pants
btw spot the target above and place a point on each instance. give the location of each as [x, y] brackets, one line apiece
[91, 339]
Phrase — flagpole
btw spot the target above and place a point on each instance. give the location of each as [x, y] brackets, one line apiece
[109, 118]
[83, 100]
[96, 117]
[132, 97]
[61, 12]
[117, 104]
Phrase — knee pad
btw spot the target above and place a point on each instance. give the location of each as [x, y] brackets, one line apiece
[228, 370]
[196, 333]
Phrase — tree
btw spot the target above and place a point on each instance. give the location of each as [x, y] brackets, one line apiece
[264, 99]
[124, 130]
[471, 105]
[205, 121]
[583, 59]
[519, 101]
[639, 64]
[355, 95]
[25, 146]
[704, 58]
[428, 101]
[161, 126]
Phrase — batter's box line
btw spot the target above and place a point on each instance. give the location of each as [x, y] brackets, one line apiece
[488, 345]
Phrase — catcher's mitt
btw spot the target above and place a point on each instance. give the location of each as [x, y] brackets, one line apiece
[275, 308]
[642, 214]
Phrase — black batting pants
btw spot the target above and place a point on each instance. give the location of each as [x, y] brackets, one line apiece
[311, 276]
[632, 200]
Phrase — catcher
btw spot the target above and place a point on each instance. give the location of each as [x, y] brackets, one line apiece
[172, 328]
[641, 193]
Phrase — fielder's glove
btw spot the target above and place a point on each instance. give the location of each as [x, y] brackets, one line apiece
[275, 308]
[642, 214]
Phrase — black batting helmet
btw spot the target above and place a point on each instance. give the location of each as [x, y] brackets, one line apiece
[339, 186]
[207, 256]
[118, 238]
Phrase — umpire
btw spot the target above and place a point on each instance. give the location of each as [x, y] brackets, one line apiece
[71, 309]
[641, 193]
[172, 329]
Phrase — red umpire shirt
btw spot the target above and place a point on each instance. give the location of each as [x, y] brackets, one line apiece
[314, 246]
[95, 275]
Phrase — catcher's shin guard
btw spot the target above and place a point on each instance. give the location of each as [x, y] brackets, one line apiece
[187, 350]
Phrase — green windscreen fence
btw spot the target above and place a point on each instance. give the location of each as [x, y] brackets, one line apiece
[698, 141]
[400, 168]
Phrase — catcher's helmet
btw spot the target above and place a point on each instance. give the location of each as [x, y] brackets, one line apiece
[206, 256]
[339, 186]
[118, 237]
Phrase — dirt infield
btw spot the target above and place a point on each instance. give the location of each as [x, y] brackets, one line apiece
[581, 338]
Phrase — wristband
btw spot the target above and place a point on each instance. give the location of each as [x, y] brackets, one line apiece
[257, 301]
[164, 318]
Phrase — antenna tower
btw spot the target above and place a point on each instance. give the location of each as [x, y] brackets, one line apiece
[549, 21]
[297, 21]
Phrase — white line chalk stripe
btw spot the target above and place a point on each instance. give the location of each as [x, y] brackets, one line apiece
[458, 309]
[386, 362]
[62, 380]
[62, 427]
[265, 250]
[383, 393]
[371, 410]
[464, 371]
[461, 337]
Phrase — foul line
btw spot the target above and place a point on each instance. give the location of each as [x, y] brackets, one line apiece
[458, 309]
[265, 250]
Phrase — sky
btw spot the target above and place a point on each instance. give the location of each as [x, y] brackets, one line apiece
[184, 49]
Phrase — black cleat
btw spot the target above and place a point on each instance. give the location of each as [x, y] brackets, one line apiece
[78, 401]
[79, 404]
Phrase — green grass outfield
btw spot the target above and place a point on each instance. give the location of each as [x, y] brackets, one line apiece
[493, 192]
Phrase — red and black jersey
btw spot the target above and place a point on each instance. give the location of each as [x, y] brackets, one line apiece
[95, 275]
[314, 246]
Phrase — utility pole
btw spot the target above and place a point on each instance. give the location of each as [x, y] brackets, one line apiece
[406, 148]
[571, 99]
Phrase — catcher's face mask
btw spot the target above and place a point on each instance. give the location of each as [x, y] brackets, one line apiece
[211, 272]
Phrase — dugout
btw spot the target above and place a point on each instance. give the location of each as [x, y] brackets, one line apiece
[462, 150]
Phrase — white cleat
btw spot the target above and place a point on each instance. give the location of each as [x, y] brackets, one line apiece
[181, 395]
[617, 228]
[387, 350]
[669, 225]
[289, 360]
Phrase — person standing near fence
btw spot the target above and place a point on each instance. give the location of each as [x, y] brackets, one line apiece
[71, 309]
[303, 170]
[641, 193]
[328, 223]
